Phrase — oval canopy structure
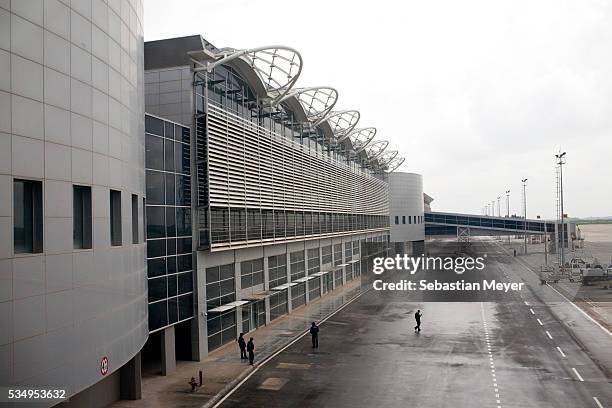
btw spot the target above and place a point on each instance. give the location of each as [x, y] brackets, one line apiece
[376, 149]
[317, 101]
[385, 158]
[341, 122]
[277, 67]
[361, 137]
[395, 163]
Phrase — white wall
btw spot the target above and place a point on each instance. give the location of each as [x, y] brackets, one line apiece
[71, 112]
[406, 199]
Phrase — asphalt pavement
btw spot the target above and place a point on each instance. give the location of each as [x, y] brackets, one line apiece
[476, 349]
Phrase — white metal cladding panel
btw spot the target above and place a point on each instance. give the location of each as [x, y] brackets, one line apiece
[252, 167]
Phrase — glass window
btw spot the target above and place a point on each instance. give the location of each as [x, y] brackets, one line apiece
[183, 222]
[169, 155]
[169, 130]
[134, 219]
[181, 158]
[170, 222]
[156, 222]
[27, 216]
[154, 125]
[403, 219]
[170, 189]
[158, 315]
[155, 187]
[156, 248]
[81, 210]
[156, 267]
[115, 217]
[183, 190]
[154, 152]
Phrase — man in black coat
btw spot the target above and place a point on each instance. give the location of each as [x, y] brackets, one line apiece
[314, 333]
[242, 345]
[251, 349]
[417, 317]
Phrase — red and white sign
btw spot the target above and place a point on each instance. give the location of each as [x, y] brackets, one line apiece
[104, 365]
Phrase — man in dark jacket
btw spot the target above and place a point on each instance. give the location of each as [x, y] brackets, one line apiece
[417, 317]
[242, 345]
[314, 333]
[251, 348]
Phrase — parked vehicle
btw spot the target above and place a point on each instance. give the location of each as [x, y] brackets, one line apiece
[594, 274]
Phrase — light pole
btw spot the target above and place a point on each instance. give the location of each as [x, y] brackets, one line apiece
[493, 207]
[561, 161]
[508, 203]
[524, 181]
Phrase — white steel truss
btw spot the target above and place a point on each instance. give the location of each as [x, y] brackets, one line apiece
[341, 122]
[278, 67]
[375, 149]
[360, 138]
[317, 101]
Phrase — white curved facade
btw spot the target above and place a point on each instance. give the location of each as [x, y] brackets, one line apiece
[406, 207]
[71, 113]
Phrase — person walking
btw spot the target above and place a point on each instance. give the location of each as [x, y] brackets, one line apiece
[314, 333]
[417, 317]
[251, 349]
[242, 345]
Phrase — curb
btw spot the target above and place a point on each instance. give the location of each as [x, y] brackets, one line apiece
[231, 386]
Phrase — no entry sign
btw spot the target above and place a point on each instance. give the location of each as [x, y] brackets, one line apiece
[104, 365]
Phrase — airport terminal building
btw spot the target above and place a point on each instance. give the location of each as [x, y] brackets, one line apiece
[284, 188]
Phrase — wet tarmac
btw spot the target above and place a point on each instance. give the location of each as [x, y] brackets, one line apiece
[476, 349]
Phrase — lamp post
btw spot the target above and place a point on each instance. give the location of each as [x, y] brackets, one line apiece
[508, 203]
[561, 161]
[493, 207]
[524, 181]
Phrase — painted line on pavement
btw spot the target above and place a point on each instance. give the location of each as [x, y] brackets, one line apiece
[583, 312]
[578, 374]
[598, 403]
[532, 312]
[548, 334]
[561, 351]
[539, 321]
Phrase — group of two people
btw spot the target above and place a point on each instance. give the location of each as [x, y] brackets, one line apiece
[250, 346]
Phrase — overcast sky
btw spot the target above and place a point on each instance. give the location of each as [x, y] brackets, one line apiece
[476, 94]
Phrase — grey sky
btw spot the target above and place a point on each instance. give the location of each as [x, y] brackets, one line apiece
[476, 94]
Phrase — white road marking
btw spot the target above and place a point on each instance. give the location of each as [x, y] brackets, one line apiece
[548, 334]
[532, 312]
[561, 351]
[539, 321]
[578, 374]
[526, 303]
[491, 363]
[598, 403]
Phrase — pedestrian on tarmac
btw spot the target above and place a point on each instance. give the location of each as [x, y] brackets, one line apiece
[251, 349]
[314, 333]
[417, 317]
[242, 345]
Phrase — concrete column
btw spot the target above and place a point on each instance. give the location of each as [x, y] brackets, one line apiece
[266, 272]
[168, 351]
[131, 379]
[267, 306]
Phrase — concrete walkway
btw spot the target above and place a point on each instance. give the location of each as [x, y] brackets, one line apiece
[223, 366]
